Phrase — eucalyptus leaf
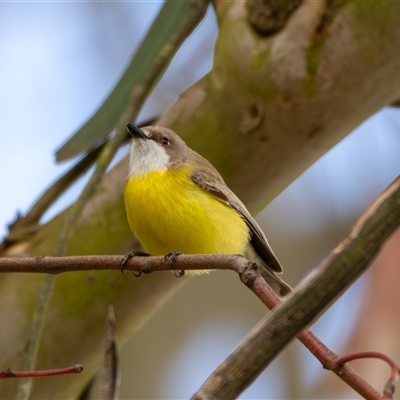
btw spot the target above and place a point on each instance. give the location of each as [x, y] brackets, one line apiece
[103, 122]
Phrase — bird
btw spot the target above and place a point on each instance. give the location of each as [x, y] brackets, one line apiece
[176, 201]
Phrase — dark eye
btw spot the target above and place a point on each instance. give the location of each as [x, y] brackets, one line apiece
[165, 141]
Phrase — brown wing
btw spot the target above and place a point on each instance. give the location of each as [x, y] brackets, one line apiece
[212, 182]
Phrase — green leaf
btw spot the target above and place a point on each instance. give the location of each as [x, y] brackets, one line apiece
[102, 123]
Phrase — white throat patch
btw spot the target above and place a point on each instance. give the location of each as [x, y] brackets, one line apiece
[146, 155]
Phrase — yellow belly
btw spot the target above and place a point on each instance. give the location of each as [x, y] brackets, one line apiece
[168, 212]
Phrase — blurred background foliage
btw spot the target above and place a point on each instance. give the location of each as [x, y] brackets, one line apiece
[60, 60]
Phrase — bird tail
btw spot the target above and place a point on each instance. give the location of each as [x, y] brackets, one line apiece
[279, 286]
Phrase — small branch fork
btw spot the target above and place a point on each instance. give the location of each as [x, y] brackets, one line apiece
[330, 360]
[9, 373]
[390, 386]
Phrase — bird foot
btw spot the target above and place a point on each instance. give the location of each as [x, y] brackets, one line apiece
[172, 257]
[128, 256]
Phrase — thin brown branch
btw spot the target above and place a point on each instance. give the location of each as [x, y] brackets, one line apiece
[9, 373]
[140, 265]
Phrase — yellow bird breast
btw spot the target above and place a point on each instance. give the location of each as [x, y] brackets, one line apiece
[168, 212]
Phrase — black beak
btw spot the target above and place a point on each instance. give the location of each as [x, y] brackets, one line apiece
[136, 132]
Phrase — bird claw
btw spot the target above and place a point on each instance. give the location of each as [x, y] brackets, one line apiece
[128, 256]
[172, 257]
[179, 273]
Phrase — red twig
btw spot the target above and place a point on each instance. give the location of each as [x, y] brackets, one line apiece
[9, 373]
[390, 386]
[366, 354]
[324, 355]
